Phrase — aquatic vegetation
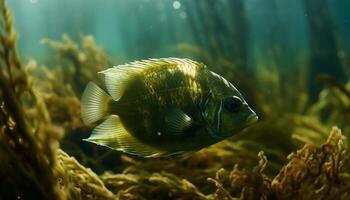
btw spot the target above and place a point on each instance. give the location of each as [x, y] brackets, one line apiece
[27, 152]
[320, 170]
[144, 185]
[78, 63]
[324, 44]
[311, 173]
[332, 108]
[77, 182]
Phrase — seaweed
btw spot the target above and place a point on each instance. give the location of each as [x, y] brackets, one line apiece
[77, 182]
[145, 185]
[311, 173]
[324, 45]
[27, 154]
[79, 60]
[315, 173]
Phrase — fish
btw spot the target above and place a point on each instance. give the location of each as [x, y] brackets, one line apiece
[163, 107]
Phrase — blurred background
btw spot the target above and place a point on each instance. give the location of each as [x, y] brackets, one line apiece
[249, 33]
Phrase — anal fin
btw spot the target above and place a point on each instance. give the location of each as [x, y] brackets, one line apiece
[111, 133]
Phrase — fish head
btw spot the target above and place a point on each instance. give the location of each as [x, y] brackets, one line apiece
[236, 115]
[229, 115]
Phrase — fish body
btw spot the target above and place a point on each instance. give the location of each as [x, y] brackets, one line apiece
[163, 107]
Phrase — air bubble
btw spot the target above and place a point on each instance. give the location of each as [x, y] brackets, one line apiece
[177, 4]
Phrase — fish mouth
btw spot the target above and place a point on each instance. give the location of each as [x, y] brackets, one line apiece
[251, 119]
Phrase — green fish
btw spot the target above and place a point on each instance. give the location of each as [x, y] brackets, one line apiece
[163, 107]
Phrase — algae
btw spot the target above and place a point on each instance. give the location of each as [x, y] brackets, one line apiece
[42, 156]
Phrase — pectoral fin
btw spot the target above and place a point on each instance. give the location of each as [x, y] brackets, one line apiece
[177, 122]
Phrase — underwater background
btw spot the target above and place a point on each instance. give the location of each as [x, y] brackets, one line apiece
[289, 59]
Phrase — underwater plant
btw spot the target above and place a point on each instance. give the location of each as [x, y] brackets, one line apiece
[27, 152]
[78, 63]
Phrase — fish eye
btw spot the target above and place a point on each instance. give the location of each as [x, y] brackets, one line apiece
[233, 104]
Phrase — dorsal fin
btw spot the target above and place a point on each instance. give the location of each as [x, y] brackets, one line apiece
[156, 62]
[112, 134]
[117, 77]
[116, 80]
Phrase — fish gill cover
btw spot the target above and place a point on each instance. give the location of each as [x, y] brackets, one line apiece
[292, 153]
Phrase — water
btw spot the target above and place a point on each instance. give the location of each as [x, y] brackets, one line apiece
[122, 26]
[289, 59]
[136, 29]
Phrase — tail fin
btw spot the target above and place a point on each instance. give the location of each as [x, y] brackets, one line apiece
[94, 103]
